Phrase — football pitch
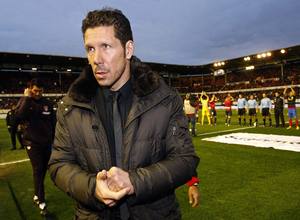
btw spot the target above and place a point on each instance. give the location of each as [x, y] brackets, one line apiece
[237, 181]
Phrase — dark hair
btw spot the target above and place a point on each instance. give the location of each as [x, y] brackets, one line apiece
[36, 82]
[109, 17]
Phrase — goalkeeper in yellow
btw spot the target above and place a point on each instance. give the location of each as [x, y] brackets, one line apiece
[204, 99]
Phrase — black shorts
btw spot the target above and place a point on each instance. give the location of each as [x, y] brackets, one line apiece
[252, 111]
[213, 112]
[228, 113]
[265, 112]
[241, 111]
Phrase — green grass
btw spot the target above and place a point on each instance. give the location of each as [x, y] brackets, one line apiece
[237, 182]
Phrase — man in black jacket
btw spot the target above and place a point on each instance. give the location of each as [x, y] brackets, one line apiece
[12, 126]
[278, 109]
[121, 144]
[36, 112]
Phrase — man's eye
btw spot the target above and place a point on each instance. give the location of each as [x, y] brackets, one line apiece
[90, 49]
[106, 46]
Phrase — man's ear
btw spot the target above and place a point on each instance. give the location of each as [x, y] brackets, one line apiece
[129, 49]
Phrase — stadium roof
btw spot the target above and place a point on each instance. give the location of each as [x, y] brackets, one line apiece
[45, 63]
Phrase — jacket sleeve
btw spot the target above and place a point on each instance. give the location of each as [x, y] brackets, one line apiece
[64, 170]
[23, 109]
[178, 166]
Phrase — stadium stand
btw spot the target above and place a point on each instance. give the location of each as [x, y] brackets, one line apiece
[272, 71]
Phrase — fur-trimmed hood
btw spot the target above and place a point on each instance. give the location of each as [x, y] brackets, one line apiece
[145, 81]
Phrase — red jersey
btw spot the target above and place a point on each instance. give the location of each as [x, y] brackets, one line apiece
[291, 101]
[227, 104]
[212, 104]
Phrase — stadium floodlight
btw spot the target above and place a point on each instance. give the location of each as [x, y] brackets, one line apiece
[219, 64]
[247, 58]
[250, 67]
[263, 55]
[258, 56]
[282, 51]
[269, 54]
[69, 70]
[34, 68]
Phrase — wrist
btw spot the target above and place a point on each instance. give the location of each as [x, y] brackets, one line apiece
[193, 182]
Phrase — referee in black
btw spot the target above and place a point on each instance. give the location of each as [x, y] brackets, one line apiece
[39, 118]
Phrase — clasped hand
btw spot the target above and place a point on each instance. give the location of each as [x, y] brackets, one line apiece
[112, 186]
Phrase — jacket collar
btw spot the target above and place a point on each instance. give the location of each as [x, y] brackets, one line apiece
[144, 82]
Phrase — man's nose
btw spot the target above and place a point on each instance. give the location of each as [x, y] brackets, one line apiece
[98, 58]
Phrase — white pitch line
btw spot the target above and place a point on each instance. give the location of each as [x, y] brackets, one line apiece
[13, 162]
[217, 132]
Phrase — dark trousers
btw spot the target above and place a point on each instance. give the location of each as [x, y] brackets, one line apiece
[192, 121]
[13, 134]
[39, 157]
[279, 115]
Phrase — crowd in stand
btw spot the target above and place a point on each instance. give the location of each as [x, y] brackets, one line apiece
[231, 81]
[239, 80]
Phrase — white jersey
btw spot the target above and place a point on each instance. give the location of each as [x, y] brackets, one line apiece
[188, 109]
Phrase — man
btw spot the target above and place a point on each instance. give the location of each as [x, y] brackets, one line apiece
[292, 113]
[241, 105]
[190, 112]
[265, 107]
[252, 110]
[228, 111]
[13, 130]
[37, 114]
[278, 109]
[213, 112]
[204, 99]
[122, 144]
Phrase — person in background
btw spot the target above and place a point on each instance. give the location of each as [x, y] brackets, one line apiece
[278, 110]
[292, 113]
[204, 99]
[12, 127]
[228, 111]
[122, 144]
[212, 108]
[241, 105]
[265, 108]
[252, 110]
[37, 113]
[190, 112]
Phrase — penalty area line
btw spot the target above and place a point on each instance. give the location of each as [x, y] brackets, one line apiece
[13, 162]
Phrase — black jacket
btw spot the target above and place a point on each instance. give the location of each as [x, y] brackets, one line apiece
[11, 119]
[39, 120]
[278, 103]
[157, 149]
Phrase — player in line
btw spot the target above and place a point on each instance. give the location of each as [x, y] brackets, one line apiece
[228, 112]
[292, 113]
[265, 106]
[204, 98]
[252, 110]
[241, 105]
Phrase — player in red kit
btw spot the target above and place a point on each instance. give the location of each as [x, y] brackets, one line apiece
[213, 112]
[228, 112]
